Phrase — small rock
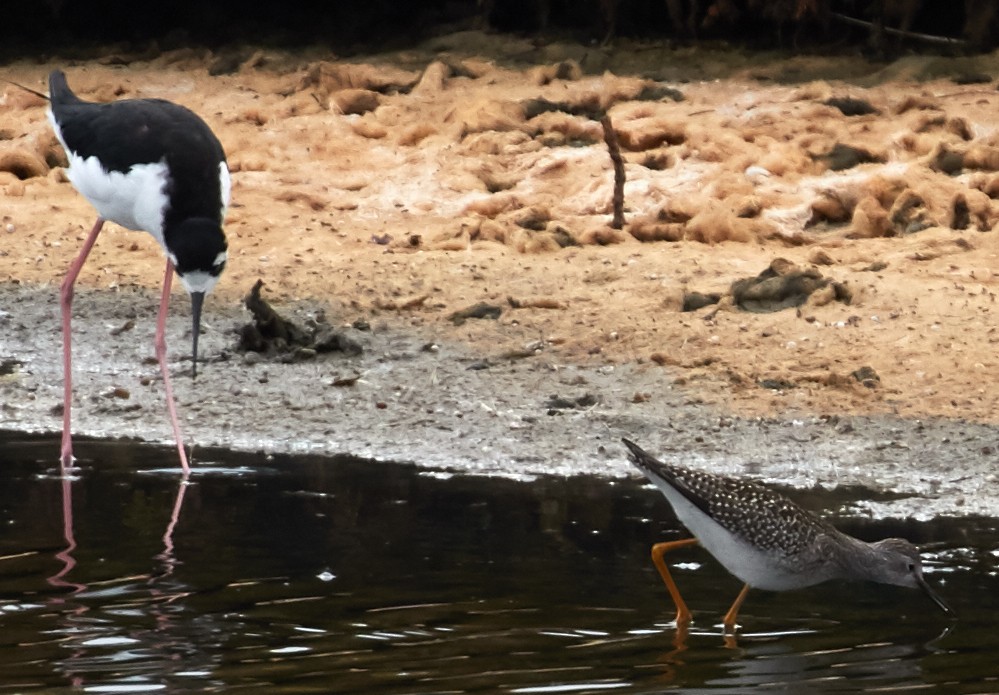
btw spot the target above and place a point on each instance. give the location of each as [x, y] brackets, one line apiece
[659, 92]
[692, 301]
[867, 376]
[305, 353]
[776, 384]
[10, 366]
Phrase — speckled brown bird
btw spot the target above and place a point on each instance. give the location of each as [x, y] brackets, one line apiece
[768, 541]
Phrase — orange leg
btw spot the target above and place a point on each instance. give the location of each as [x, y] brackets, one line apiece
[729, 621]
[683, 614]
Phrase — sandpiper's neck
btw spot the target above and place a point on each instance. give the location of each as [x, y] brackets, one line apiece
[858, 559]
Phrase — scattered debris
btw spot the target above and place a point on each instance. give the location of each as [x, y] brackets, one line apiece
[536, 107]
[270, 333]
[692, 301]
[10, 366]
[782, 285]
[401, 305]
[776, 384]
[556, 403]
[849, 106]
[842, 157]
[820, 257]
[535, 303]
[127, 326]
[656, 91]
[534, 218]
[867, 376]
[476, 311]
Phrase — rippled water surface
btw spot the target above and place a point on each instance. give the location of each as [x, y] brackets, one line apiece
[294, 574]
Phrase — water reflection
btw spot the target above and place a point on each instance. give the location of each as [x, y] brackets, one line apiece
[339, 575]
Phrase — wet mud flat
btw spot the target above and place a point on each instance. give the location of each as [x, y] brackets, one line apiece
[411, 396]
[293, 573]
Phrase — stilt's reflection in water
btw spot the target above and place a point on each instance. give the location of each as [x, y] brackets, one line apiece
[65, 556]
[132, 622]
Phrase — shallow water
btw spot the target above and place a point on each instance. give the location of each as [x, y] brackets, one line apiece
[299, 574]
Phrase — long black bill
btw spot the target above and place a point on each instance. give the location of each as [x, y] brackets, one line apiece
[197, 299]
[937, 599]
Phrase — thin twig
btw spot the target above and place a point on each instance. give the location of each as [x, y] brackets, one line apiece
[915, 35]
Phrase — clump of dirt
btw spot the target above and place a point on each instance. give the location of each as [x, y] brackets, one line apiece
[784, 285]
[272, 334]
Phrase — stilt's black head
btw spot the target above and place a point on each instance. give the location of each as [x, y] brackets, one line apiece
[198, 251]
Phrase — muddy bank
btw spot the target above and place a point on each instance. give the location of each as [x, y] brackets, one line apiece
[412, 397]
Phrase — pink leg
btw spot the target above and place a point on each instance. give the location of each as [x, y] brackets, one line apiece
[169, 561]
[161, 355]
[65, 556]
[66, 304]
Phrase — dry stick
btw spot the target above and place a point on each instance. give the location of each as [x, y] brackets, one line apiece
[914, 35]
[610, 137]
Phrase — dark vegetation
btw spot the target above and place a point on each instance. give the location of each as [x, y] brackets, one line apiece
[61, 27]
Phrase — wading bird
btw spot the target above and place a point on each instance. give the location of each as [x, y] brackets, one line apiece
[768, 541]
[154, 166]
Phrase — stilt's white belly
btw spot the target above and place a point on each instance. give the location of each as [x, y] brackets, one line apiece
[135, 199]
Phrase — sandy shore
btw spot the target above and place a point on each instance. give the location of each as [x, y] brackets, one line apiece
[397, 190]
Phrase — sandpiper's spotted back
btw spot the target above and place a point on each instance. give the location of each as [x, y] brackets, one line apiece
[776, 523]
[763, 518]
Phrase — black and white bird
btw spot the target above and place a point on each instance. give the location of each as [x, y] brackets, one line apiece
[154, 166]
